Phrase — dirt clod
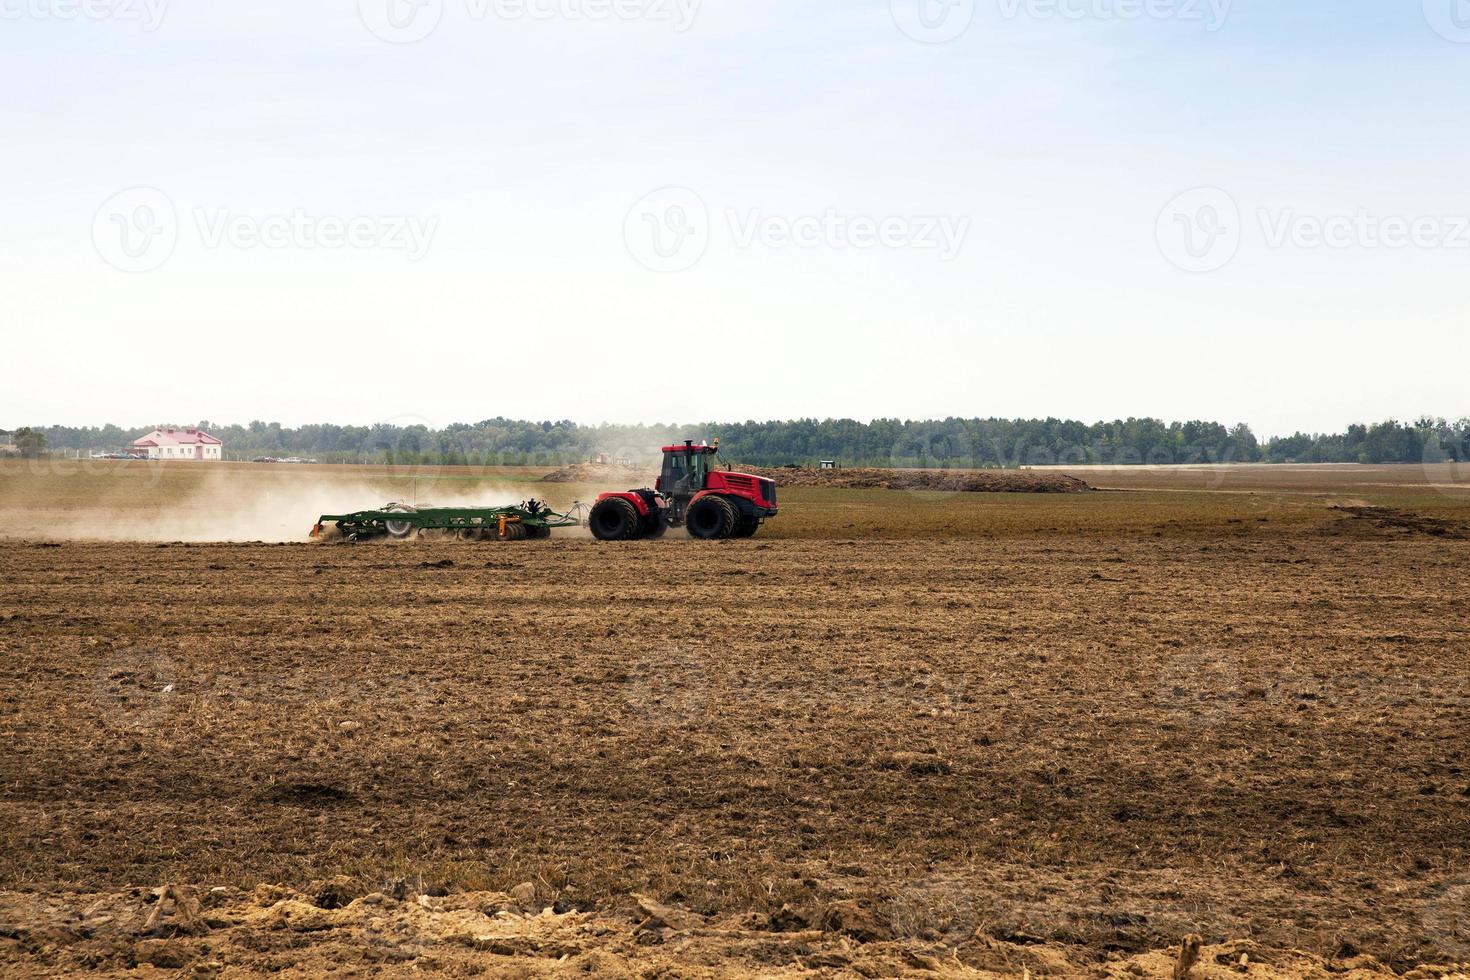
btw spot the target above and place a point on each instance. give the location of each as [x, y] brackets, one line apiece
[852, 919]
[336, 892]
[1188, 957]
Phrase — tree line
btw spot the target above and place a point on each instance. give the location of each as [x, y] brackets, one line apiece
[24, 442]
[948, 443]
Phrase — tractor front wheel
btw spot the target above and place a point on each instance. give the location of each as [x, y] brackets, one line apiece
[614, 519]
[712, 518]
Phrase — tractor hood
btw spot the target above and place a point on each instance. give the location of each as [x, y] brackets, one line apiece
[756, 489]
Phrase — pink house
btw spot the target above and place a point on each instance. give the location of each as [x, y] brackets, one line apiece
[171, 443]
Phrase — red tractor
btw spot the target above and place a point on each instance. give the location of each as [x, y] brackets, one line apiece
[691, 492]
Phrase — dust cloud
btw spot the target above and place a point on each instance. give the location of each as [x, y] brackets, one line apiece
[220, 504]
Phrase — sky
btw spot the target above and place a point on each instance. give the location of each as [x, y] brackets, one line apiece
[431, 211]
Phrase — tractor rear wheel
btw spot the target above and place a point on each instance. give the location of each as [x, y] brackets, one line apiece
[614, 519]
[712, 518]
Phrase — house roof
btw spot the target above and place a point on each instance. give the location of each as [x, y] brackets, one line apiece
[177, 437]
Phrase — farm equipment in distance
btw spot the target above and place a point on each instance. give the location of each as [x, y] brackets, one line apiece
[689, 492]
[530, 520]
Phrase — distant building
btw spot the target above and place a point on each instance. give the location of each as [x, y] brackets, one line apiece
[171, 443]
[828, 464]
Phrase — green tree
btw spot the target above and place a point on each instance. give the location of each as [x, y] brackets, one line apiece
[1243, 445]
[32, 444]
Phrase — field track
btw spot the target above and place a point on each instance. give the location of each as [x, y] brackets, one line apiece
[896, 732]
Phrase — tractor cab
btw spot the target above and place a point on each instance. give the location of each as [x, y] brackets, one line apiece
[686, 469]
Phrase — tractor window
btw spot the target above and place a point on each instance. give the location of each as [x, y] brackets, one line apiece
[699, 467]
[676, 467]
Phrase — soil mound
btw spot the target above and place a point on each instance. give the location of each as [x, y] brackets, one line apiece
[1391, 519]
[623, 476]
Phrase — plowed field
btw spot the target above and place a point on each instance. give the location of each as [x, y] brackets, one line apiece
[894, 732]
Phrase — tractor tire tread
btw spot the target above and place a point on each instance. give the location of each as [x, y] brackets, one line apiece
[626, 527]
[727, 524]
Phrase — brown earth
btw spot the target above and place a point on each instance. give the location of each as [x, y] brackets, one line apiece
[334, 928]
[894, 733]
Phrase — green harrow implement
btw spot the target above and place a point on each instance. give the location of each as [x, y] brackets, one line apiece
[529, 520]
